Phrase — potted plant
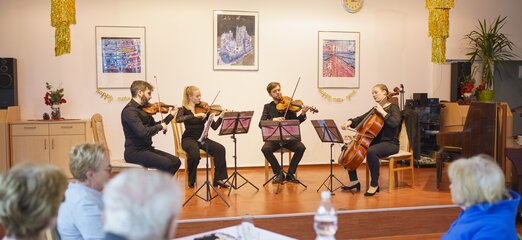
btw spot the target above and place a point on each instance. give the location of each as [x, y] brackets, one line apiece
[489, 45]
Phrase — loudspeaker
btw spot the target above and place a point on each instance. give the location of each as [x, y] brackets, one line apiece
[421, 99]
[8, 83]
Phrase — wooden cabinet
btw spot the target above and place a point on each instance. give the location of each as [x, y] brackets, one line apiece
[47, 141]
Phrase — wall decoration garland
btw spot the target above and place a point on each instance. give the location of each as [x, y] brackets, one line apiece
[108, 97]
[438, 27]
[328, 97]
[63, 14]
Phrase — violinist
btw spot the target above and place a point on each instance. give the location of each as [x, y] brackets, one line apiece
[270, 112]
[194, 125]
[384, 144]
[139, 127]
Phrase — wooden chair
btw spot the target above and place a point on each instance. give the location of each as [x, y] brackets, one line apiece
[404, 155]
[99, 137]
[268, 169]
[177, 131]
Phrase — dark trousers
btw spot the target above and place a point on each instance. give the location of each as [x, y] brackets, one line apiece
[192, 146]
[376, 151]
[153, 158]
[297, 147]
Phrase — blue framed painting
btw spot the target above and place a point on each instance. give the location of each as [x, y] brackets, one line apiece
[120, 56]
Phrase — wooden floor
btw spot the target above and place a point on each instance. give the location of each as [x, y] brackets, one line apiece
[294, 198]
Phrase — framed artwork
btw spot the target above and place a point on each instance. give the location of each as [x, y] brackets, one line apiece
[120, 56]
[236, 42]
[338, 60]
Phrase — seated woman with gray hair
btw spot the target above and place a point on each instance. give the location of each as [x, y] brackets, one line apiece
[80, 215]
[489, 209]
[141, 204]
[29, 199]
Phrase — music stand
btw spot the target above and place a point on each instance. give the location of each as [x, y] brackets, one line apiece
[208, 196]
[328, 132]
[281, 132]
[236, 123]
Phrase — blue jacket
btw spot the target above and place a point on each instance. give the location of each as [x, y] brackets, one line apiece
[486, 221]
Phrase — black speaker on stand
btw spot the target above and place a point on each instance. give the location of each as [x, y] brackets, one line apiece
[8, 83]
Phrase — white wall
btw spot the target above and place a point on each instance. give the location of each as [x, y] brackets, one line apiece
[395, 49]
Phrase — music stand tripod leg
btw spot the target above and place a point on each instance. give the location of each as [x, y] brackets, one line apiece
[208, 186]
[233, 177]
[331, 176]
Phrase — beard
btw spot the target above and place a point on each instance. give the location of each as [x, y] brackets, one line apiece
[144, 100]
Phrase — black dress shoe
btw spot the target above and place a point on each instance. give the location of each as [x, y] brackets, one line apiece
[357, 186]
[291, 178]
[369, 194]
[190, 185]
[221, 184]
[279, 178]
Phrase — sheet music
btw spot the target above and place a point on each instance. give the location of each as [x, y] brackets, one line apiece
[204, 135]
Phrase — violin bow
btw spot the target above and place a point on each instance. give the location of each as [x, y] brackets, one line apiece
[159, 102]
[292, 98]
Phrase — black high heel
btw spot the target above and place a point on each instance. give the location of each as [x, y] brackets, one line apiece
[356, 186]
[221, 184]
[369, 194]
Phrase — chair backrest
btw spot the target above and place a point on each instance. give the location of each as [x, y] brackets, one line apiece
[403, 138]
[98, 131]
[177, 131]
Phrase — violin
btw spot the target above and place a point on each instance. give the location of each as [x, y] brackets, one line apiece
[154, 108]
[204, 107]
[295, 105]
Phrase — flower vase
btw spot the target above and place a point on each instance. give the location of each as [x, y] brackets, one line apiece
[56, 113]
[466, 98]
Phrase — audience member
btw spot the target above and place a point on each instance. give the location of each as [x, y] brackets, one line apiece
[80, 215]
[488, 209]
[141, 204]
[29, 199]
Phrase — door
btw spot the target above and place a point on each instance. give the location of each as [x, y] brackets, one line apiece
[30, 149]
[60, 147]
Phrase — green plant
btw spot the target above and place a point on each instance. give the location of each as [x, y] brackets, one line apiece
[488, 44]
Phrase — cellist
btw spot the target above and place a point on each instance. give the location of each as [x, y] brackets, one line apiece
[384, 144]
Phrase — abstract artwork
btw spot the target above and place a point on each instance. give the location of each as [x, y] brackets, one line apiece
[235, 40]
[338, 60]
[120, 56]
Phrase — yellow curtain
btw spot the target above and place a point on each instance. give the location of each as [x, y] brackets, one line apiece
[438, 27]
[63, 14]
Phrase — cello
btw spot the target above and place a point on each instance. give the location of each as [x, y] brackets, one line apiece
[353, 154]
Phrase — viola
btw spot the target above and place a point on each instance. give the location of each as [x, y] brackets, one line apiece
[154, 108]
[204, 107]
[293, 106]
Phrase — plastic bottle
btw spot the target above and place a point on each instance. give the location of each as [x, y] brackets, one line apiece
[325, 220]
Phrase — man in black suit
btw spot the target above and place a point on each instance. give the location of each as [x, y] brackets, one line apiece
[139, 127]
[270, 112]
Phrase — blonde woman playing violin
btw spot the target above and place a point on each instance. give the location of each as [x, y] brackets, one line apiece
[194, 126]
[384, 144]
[270, 112]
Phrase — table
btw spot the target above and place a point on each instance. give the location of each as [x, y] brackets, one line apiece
[233, 232]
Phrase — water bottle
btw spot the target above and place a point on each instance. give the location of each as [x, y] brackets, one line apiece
[325, 220]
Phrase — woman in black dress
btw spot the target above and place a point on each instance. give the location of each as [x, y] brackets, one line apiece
[384, 144]
[194, 126]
